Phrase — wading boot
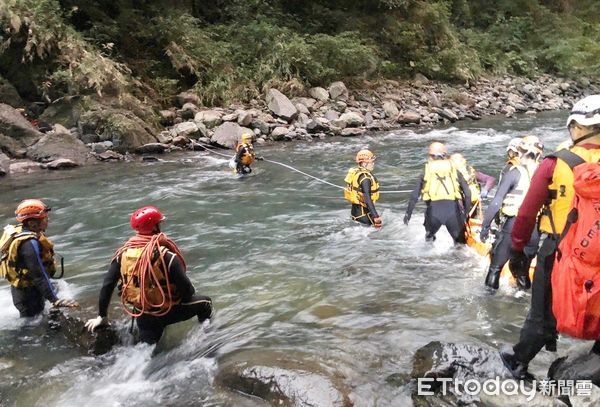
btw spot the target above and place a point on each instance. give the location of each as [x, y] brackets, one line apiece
[516, 368]
[492, 279]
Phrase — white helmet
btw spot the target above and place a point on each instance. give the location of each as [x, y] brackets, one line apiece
[586, 112]
[513, 145]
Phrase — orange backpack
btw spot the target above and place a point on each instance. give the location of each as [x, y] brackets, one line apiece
[576, 272]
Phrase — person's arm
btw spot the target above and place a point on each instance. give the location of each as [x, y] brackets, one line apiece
[487, 181]
[29, 252]
[178, 277]
[533, 202]
[508, 182]
[414, 197]
[365, 185]
[111, 278]
[466, 192]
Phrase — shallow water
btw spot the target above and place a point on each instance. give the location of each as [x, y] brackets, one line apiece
[288, 272]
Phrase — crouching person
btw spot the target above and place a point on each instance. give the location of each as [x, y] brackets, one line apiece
[153, 285]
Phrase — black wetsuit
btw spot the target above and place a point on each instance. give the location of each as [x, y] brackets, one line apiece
[30, 300]
[447, 212]
[358, 212]
[152, 327]
[501, 250]
[240, 167]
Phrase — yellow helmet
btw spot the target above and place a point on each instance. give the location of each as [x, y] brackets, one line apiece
[247, 137]
[437, 149]
[458, 160]
[365, 156]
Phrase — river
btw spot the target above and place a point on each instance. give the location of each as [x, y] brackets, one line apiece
[289, 274]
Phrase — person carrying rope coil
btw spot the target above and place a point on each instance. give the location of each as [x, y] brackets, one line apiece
[244, 156]
[362, 190]
[154, 287]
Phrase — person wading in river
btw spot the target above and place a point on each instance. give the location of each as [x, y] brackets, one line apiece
[507, 201]
[28, 260]
[473, 178]
[154, 287]
[245, 155]
[446, 194]
[362, 190]
[551, 188]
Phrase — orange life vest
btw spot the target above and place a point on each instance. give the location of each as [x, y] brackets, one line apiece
[249, 156]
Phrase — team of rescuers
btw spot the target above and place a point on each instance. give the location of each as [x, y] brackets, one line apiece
[530, 205]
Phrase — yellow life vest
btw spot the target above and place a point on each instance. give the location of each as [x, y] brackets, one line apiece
[470, 175]
[561, 191]
[513, 200]
[440, 181]
[353, 192]
[249, 156]
[131, 284]
[10, 242]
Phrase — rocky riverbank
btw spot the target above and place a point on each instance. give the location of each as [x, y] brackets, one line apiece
[85, 130]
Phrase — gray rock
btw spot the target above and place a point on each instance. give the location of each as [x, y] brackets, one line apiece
[409, 117]
[9, 94]
[167, 117]
[509, 111]
[447, 114]
[316, 126]
[24, 166]
[279, 133]
[332, 115]
[151, 148]
[339, 123]
[340, 106]
[202, 130]
[164, 137]
[232, 117]
[390, 109]
[228, 134]
[188, 129]
[353, 132]
[60, 164]
[16, 132]
[260, 125]
[301, 108]
[211, 118]
[4, 164]
[90, 138]
[319, 94]
[109, 155]
[101, 147]
[54, 146]
[71, 323]
[189, 110]
[338, 91]
[434, 100]
[420, 80]
[353, 119]
[244, 118]
[187, 97]
[181, 141]
[308, 102]
[280, 105]
[302, 120]
[579, 365]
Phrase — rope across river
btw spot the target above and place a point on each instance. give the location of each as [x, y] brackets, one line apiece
[214, 151]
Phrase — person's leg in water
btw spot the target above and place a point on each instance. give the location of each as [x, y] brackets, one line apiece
[359, 214]
[28, 301]
[432, 223]
[500, 254]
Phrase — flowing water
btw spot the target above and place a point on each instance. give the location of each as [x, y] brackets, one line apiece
[290, 276]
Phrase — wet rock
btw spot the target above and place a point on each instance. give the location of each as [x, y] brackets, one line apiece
[580, 365]
[151, 148]
[26, 166]
[109, 155]
[353, 119]
[16, 131]
[228, 134]
[60, 164]
[54, 146]
[280, 105]
[447, 114]
[149, 158]
[319, 94]
[71, 324]
[279, 133]
[187, 97]
[210, 118]
[338, 91]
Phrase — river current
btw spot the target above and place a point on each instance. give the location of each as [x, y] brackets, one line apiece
[290, 275]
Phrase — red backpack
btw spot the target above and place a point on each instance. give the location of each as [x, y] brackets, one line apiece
[576, 272]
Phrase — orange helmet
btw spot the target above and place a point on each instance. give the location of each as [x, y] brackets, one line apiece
[437, 149]
[31, 209]
[365, 156]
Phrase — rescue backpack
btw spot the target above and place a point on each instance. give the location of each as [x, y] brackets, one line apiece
[576, 271]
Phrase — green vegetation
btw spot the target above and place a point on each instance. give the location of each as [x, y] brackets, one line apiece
[233, 49]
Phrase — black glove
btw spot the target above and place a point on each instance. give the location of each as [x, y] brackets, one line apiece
[406, 219]
[484, 234]
[260, 158]
[519, 267]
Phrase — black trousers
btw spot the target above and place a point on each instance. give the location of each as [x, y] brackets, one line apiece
[152, 327]
[448, 213]
[540, 325]
[28, 301]
[361, 214]
[501, 249]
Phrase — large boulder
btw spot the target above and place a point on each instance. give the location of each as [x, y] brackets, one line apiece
[280, 105]
[338, 91]
[126, 130]
[210, 118]
[228, 134]
[391, 109]
[15, 131]
[319, 94]
[8, 94]
[54, 146]
[579, 365]
[353, 119]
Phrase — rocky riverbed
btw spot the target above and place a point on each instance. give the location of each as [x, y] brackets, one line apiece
[84, 129]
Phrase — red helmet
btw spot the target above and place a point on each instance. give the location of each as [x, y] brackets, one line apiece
[31, 209]
[145, 219]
